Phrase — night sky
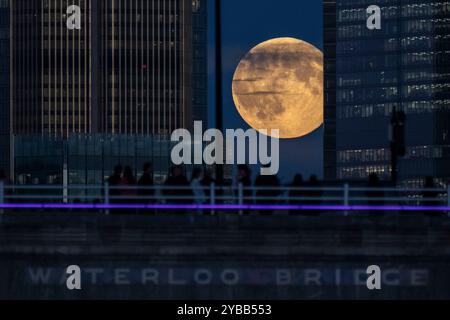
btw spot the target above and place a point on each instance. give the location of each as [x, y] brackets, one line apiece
[246, 23]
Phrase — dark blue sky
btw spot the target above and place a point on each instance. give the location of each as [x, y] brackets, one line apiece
[246, 23]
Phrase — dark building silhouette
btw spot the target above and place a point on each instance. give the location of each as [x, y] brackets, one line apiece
[404, 65]
[136, 67]
[200, 60]
[127, 70]
[4, 87]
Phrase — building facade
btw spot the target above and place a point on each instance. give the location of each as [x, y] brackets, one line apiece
[135, 70]
[127, 70]
[4, 87]
[200, 60]
[404, 65]
[89, 159]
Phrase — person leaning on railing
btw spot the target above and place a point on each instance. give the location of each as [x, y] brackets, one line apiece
[127, 192]
[314, 192]
[296, 193]
[208, 181]
[197, 188]
[177, 187]
[146, 184]
[114, 182]
[374, 193]
[244, 179]
[269, 189]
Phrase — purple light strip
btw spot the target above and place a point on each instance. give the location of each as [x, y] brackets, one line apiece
[226, 207]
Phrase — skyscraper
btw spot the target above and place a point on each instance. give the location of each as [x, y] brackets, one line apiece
[110, 91]
[127, 70]
[404, 65]
[4, 87]
[200, 60]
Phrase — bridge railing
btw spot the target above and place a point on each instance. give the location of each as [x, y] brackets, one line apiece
[237, 197]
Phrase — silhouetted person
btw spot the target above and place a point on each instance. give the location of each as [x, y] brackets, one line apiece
[197, 187]
[244, 179]
[114, 182]
[314, 193]
[206, 182]
[296, 184]
[270, 189]
[145, 184]
[128, 180]
[429, 195]
[374, 194]
[177, 179]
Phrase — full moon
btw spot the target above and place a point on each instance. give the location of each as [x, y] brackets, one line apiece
[279, 85]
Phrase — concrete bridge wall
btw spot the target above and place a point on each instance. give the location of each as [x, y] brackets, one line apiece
[223, 257]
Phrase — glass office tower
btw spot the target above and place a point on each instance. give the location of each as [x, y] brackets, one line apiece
[127, 70]
[405, 65]
[4, 88]
[137, 69]
[200, 61]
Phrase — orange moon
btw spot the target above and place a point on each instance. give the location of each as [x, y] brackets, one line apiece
[279, 85]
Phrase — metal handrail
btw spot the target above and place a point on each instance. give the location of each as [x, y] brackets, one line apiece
[235, 194]
[256, 188]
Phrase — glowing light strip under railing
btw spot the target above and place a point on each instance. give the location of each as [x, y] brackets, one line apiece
[226, 207]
